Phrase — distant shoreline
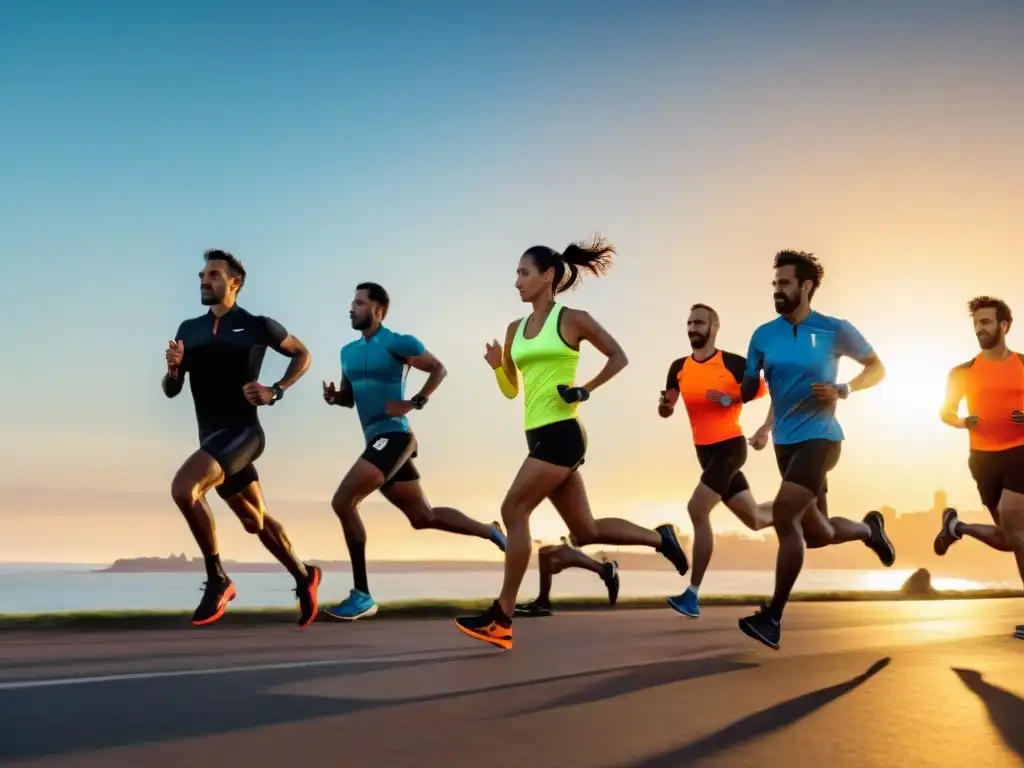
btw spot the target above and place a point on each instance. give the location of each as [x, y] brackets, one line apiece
[426, 609]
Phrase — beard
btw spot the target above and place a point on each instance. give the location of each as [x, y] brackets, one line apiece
[209, 297]
[360, 323]
[784, 304]
[990, 340]
[698, 341]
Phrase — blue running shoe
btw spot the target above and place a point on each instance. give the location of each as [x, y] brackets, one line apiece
[687, 604]
[498, 536]
[355, 606]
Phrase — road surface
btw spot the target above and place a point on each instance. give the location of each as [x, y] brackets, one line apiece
[891, 684]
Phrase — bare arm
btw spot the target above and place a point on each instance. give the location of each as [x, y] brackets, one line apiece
[582, 326]
[769, 418]
[299, 362]
[949, 413]
[434, 369]
[507, 363]
[871, 375]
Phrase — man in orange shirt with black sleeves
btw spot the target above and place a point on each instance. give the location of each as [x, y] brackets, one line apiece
[993, 385]
[709, 383]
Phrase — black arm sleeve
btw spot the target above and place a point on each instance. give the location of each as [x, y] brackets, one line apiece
[274, 333]
[346, 397]
[672, 380]
[736, 365]
[749, 387]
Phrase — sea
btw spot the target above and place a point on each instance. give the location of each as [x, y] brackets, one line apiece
[43, 588]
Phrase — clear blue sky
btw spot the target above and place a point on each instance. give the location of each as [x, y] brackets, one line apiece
[425, 146]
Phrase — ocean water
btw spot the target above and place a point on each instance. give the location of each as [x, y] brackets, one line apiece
[35, 588]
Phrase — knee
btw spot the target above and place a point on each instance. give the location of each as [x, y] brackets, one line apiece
[817, 539]
[584, 536]
[184, 492]
[420, 517]
[341, 503]
[252, 523]
[699, 513]
[513, 514]
[1015, 539]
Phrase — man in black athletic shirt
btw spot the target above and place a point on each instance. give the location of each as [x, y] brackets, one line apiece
[222, 353]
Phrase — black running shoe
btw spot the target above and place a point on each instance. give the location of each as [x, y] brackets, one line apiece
[492, 626]
[217, 593]
[948, 533]
[879, 542]
[307, 594]
[610, 577]
[671, 549]
[763, 627]
[1019, 634]
[535, 608]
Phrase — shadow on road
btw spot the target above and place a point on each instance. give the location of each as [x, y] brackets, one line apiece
[1005, 709]
[760, 723]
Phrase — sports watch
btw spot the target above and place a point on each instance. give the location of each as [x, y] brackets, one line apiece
[278, 393]
[844, 391]
[418, 401]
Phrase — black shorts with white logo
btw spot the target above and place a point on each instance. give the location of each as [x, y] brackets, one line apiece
[808, 463]
[235, 449]
[392, 453]
[995, 472]
[562, 443]
[721, 463]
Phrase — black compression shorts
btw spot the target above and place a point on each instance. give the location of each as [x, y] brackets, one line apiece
[721, 463]
[392, 453]
[235, 449]
[562, 443]
[808, 463]
[995, 472]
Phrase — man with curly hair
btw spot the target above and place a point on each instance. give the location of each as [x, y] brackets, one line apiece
[993, 385]
[799, 353]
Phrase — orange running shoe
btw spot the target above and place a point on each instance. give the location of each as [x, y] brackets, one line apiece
[492, 626]
[217, 594]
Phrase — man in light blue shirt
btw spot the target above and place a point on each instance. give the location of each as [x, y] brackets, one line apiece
[799, 354]
[373, 369]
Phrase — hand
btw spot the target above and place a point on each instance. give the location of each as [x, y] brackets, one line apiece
[719, 398]
[971, 422]
[257, 394]
[174, 355]
[826, 392]
[330, 393]
[492, 354]
[669, 398]
[396, 408]
[759, 439]
[573, 394]
[1017, 416]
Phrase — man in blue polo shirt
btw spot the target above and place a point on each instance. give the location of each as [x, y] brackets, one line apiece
[373, 369]
[799, 354]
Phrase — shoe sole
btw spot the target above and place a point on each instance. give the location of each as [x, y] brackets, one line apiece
[750, 632]
[372, 610]
[313, 587]
[675, 540]
[885, 538]
[505, 645]
[229, 595]
[680, 611]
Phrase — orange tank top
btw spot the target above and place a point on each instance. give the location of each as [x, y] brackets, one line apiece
[994, 389]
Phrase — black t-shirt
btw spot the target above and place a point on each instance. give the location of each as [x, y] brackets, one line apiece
[222, 356]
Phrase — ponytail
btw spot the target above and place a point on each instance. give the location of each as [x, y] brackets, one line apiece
[594, 258]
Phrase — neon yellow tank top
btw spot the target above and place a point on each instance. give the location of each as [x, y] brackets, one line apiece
[545, 361]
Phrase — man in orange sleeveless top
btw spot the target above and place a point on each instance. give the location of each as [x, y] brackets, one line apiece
[993, 385]
[709, 383]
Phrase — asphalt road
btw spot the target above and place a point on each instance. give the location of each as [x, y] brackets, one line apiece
[920, 684]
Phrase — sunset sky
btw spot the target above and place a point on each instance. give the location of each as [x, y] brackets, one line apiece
[425, 146]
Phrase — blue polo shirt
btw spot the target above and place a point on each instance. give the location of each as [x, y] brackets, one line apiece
[793, 357]
[375, 369]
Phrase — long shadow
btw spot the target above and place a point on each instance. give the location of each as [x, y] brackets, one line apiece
[760, 723]
[1005, 709]
[54, 721]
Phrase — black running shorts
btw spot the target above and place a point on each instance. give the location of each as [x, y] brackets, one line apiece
[721, 463]
[392, 453]
[235, 449]
[562, 443]
[995, 472]
[808, 463]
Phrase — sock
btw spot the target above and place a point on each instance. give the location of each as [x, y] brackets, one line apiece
[214, 569]
[357, 554]
[695, 588]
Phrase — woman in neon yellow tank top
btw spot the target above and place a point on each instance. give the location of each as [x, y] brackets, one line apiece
[544, 347]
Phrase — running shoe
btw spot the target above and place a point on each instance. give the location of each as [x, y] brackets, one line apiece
[306, 592]
[492, 626]
[763, 627]
[355, 606]
[948, 534]
[879, 542]
[217, 593]
[610, 577]
[534, 608]
[498, 536]
[671, 549]
[686, 604]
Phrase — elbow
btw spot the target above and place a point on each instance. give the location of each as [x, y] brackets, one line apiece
[879, 370]
[440, 372]
[621, 359]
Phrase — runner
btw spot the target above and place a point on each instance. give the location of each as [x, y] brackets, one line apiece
[553, 559]
[709, 382]
[799, 353]
[545, 346]
[222, 353]
[372, 380]
[993, 385]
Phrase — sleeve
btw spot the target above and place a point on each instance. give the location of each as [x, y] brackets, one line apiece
[405, 346]
[672, 379]
[755, 357]
[851, 343]
[737, 366]
[274, 333]
[179, 335]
